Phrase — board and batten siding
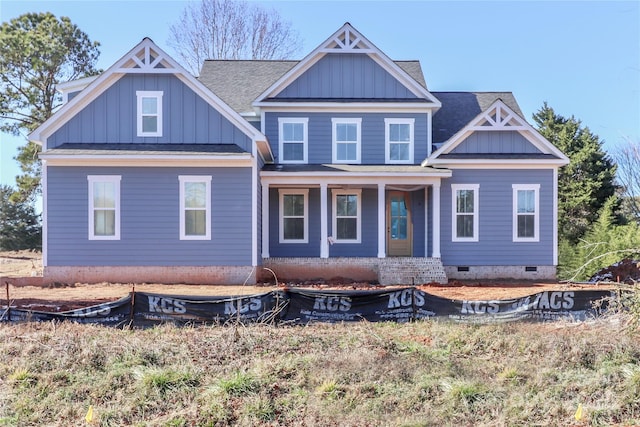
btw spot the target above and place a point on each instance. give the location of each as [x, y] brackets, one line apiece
[149, 231]
[495, 245]
[372, 138]
[346, 75]
[496, 142]
[186, 117]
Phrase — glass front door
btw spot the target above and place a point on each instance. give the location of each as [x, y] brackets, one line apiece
[399, 242]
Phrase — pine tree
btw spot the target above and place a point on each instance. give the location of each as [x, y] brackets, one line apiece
[19, 224]
[584, 185]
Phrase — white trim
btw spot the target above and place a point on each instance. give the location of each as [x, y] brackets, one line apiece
[536, 215]
[436, 220]
[45, 215]
[334, 214]
[206, 179]
[335, 121]
[555, 217]
[305, 138]
[493, 163]
[112, 179]
[454, 212]
[504, 115]
[281, 217]
[347, 179]
[382, 221]
[324, 226]
[254, 211]
[140, 96]
[426, 221]
[349, 107]
[388, 142]
[265, 220]
[358, 41]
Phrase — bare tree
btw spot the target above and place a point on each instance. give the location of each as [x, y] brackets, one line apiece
[230, 29]
[627, 158]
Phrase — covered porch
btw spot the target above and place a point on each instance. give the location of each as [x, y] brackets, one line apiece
[377, 223]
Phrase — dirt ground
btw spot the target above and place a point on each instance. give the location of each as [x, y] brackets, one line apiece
[67, 297]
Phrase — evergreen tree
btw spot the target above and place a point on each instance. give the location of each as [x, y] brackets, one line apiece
[19, 224]
[585, 184]
[37, 51]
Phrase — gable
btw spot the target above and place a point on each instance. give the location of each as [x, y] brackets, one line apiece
[112, 116]
[348, 75]
[346, 41]
[148, 62]
[498, 135]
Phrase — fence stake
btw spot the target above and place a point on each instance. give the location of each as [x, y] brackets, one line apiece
[133, 303]
[6, 284]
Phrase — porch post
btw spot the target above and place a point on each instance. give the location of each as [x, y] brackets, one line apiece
[382, 235]
[426, 221]
[436, 220]
[324, 234]
[265, 220]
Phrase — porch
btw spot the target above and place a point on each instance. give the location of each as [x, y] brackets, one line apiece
[385, 271]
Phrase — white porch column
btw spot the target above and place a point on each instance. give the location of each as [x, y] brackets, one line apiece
[382, 220]
[324, 233]
[265, 220]
[436, 221]
[426, 221]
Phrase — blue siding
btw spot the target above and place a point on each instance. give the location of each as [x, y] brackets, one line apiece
[368, 246]
[495, 245]
[417, 219]
[187, 118]
[346, 76]
[372, 135]
[496, 142]
[149, 219]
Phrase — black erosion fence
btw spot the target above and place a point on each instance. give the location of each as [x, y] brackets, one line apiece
[303, 306]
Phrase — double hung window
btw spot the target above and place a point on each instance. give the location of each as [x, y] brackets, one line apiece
[294, 216]
[347, 216]
[104, 207]
[195, 207]
[293, 139]
[149, 113]
[346, 140]
[526, 217]
[465, 200]
[399, 140]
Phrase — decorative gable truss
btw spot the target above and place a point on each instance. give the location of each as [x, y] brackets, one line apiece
[498, 117]
[145, 58]
[348, 40]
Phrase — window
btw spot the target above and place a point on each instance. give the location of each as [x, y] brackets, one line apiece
[346, 216]
[149, 113]
[526, 216]
[104, 207]
[399, 140]
[294, 223]
[195, 207]
[465, 212]
[346, 140]
[293, 140]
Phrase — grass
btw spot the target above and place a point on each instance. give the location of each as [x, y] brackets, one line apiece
[417, 374]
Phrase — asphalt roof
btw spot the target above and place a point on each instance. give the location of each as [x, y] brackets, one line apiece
[144, 149]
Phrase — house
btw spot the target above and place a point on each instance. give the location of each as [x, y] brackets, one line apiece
[342, 164]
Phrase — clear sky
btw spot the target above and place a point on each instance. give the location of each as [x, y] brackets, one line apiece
[582, 58]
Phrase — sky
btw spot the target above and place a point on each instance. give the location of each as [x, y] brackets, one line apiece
[582, 58]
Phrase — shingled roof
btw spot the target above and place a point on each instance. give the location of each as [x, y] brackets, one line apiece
[459, 108]
[239, 82]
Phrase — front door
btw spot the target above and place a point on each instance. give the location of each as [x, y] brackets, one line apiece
[399, 233]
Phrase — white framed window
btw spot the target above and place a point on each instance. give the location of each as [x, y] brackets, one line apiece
[104, 207]
[293, 134]
[398, 140]
[195, 207]
[294, 216]
[347, 216]
[149, 114]
[465, 201]
[526, 212]
[346, 140]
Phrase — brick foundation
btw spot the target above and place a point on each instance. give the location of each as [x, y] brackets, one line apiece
[219, 275]
[386, 271]
[488, 272]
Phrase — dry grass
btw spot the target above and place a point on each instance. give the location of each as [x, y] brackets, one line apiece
[424, 373]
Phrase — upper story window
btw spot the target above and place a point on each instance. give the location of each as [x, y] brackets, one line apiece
[465, 199]
[104, 207]
[195, 207]
[347, 216]
[149, 113]
[399, 140]
[294, 216]
[293, 145]
[526, 212]
[346, 140]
